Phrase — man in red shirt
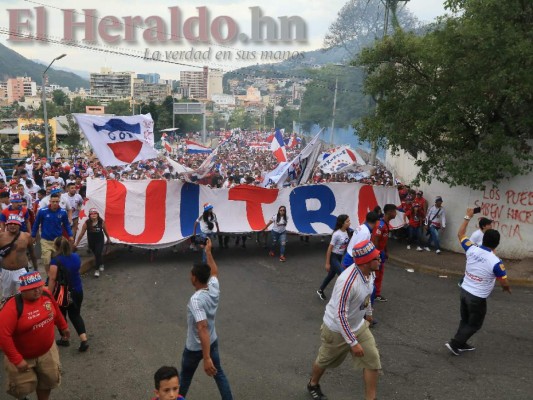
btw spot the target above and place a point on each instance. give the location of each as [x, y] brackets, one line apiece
[421, 201]
[31, 357]
[380, 237]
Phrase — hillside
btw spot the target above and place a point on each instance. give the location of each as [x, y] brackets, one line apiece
[12, 64]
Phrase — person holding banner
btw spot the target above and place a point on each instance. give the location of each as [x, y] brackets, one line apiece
[336, 249]
[279, 232]
[207, 221]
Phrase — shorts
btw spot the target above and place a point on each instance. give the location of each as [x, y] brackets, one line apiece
[44, 374]
[47, 249]
[334, 349]
[10, 281]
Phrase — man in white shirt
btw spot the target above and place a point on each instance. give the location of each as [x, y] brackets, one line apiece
[55, 180]
[477, 236]
[483, 268]
[434, 223]
[345, 327]
[75, 201]
[362, 233]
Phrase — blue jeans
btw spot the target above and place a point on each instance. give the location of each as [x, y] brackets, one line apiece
[336, 268]
[211, 236]
[414, 235]
[189, 363]
[434, 237]
[281, 238]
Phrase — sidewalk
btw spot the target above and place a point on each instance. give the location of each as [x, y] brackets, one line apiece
[452, 265]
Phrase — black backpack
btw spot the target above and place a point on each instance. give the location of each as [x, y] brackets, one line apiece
[20, 303]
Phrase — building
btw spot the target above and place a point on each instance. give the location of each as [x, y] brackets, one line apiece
[108, 86]
[150, 78]
[253, 94]
[201, 84]
[19, 87]
[146, 92]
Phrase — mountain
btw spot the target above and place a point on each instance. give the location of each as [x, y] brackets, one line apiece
[12, 64]
[83, 74]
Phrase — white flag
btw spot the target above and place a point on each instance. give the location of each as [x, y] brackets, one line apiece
[119, 140]
[341, 159]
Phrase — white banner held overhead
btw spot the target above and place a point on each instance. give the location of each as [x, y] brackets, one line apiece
[119, 140]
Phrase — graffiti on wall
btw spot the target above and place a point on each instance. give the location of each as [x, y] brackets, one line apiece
[511, 210]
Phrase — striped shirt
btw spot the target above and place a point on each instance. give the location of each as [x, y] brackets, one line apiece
[202, 306]
[349, 303]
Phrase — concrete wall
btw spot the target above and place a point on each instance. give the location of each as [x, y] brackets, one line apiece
[510, 205]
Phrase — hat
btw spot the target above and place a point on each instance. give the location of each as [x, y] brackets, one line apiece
[438, 199]
[15, 198]
[14, 219]
[55, 191]
[207, 207]
[420, 192]
[13, 182]
[30, 280]
[364, 252]
[93, 211]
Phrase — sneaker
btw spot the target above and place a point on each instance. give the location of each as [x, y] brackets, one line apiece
[381, 298]
[282, 258]
[84, 346]
[408, 247]
[315, 392]
[271, 254]
[454, 350]
[101, 268]
[321, 294]
[419, 248]
[427, 248]
[438, 251]
[466, 347]
[97, 273]
[62, 342]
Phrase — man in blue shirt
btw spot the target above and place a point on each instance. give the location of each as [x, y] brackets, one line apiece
[52, 220]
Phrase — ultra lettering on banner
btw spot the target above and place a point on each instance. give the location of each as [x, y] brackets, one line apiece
[161, 213]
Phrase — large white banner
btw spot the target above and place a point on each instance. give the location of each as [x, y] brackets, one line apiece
[161, 213]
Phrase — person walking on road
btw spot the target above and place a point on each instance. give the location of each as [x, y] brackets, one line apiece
[362, 233]
[14, 249]
[96, 229]
[70, 264]
[335, 253]
[27, 324]
[52, 220]
[278, 233]
[380, 237]
[207, 221]
[483, 268]
[202, 339]
[345, 326]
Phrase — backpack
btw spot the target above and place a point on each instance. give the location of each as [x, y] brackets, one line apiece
[20, 303]
[61, 289]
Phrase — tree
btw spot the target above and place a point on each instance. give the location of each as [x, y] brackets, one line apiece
[77, 105]
[72, 140]
[360, 22]
[118, 108]
[459, 97]
[285, 117]
[6, 147]
[59, 98]
[269, 117]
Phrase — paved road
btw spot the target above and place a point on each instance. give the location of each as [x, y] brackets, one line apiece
[268, 324]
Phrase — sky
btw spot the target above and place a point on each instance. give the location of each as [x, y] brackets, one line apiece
[317, 14]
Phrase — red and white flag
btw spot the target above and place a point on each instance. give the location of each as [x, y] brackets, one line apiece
[119, 140]
[278, 147]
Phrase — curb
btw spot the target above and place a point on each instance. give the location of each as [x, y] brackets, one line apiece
[431, 270]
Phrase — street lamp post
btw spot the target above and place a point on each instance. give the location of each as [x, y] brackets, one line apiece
[45, 113]
[334, 111]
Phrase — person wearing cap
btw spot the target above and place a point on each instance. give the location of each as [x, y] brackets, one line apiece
[477, 236]
[15, 208]
[483, 269]
[14, 249]
[434, 222]
[345, 325]
[96, 229]
[51, 220]
[202, 339]
[421, 201]
[207, 221]
[31, 357]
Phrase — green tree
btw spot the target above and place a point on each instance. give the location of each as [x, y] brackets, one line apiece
[77, 105]
[59, 98]
[269, 117]
[285, 118]
[459, 97]
[72, 140]
[119, 108]
[6, 147]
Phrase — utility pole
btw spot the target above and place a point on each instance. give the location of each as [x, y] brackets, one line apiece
[45, 111]
[334, 111]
